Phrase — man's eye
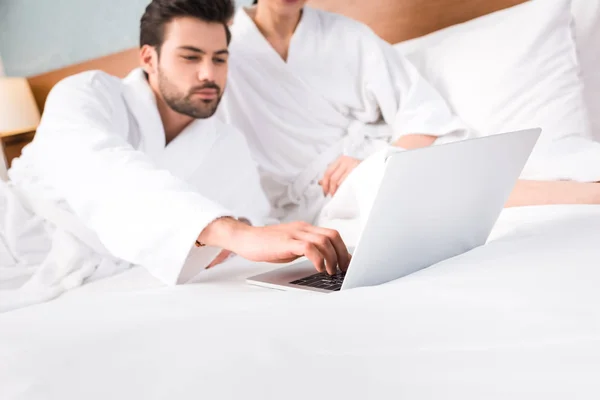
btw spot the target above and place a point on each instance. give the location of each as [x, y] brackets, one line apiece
[220, 61]
[190, 58]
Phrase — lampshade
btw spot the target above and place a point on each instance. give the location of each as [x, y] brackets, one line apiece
[18, 110]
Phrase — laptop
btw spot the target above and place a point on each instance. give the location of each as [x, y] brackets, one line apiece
[432, 204]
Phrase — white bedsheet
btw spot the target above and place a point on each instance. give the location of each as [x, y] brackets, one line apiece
[517, 318]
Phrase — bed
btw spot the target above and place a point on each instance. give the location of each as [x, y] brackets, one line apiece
[517, 318]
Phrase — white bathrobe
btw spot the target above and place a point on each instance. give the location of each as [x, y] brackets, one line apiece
[98, 191]
[342, 91]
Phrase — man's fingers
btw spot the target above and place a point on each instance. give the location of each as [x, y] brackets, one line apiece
[313, 254]
[220, 258]
[338, 244]
[343, 257]
[325, 247]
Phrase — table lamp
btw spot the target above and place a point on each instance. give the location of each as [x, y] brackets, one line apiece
[18, 111]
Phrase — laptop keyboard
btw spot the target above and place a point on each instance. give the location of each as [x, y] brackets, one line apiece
[322, 281]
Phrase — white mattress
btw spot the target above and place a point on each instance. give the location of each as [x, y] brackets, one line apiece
[517, 318]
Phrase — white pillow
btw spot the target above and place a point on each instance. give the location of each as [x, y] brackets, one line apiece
[515, 69]
[587, 34]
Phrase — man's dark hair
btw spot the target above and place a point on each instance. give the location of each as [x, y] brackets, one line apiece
[160, 12]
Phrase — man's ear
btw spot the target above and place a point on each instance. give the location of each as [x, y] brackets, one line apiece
[149, 59]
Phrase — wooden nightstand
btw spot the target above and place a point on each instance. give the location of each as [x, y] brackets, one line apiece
[13, 143]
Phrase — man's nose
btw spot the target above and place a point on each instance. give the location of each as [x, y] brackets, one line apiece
[206, 72]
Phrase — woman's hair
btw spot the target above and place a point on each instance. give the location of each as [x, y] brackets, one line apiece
[160, 12]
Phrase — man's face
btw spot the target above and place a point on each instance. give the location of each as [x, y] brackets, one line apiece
[192, 66]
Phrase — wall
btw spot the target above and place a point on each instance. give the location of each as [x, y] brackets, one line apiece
[38, 36]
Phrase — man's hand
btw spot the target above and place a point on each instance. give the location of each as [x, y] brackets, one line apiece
[337, 173]
[280, 243]
[225, 254]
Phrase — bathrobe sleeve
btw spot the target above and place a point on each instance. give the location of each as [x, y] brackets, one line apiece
[140, 213]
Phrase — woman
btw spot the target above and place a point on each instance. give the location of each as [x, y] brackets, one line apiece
[315, 93]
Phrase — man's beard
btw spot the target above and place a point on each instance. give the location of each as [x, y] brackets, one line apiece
[183, 103]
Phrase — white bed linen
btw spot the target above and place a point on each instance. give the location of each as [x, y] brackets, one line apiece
[517, 318]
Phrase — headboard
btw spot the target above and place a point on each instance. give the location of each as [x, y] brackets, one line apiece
[393, 20]
[399, 20]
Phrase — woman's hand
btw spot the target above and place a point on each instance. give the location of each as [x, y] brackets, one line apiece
[337, 172]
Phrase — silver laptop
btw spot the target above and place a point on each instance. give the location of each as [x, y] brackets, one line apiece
[433, 204]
